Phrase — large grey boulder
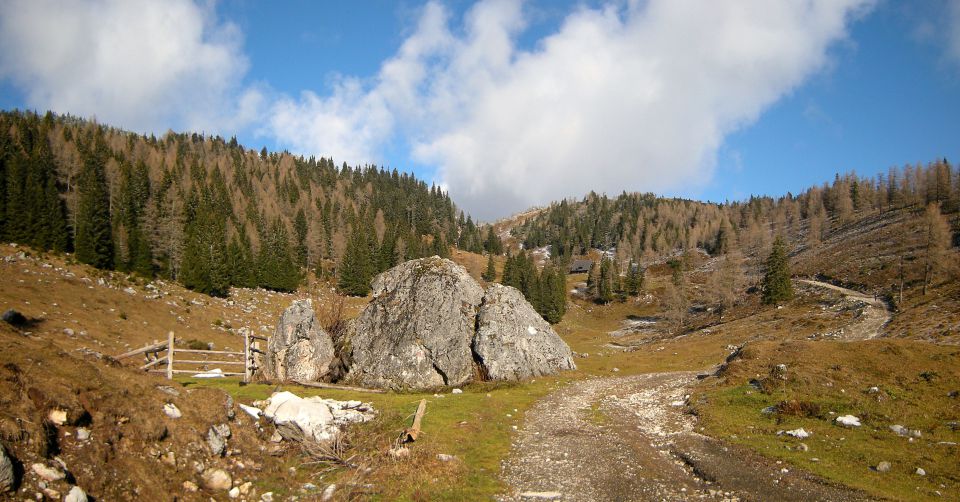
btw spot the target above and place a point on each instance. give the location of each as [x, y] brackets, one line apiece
[299, 348]
[513, 342]
[417, 330]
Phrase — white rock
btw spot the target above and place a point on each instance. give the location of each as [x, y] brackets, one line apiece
[848, 420]
[541, 495]
[217, 479]
[57, 416]
[48, 473]
[190, 486]
[234, 492]
[214, 373]
[921, 472]
[328, 493]
[83, 434]
[251, 410]
[311, 417]
[883, 467]
[457, 391]
[172, 411]
[266, 497]
[443, 457]
[798, 433]
[76, 494]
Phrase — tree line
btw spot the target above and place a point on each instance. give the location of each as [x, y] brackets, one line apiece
[208, 212]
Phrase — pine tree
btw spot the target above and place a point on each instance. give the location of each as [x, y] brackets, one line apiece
[593, 281]
[94, 240]
[300, 236]
[605, 286]
[777, 287]
[277, 267]
[492, 243]
[490, 274]
[205, 257]
[356, 265]
[634, 281]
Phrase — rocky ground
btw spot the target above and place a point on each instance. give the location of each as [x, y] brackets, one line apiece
[632, 438]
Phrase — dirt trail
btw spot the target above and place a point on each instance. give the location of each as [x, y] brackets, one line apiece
[875, 315]
[630, 438]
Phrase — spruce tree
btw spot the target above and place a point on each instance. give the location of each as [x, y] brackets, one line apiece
[776, 281]
[490, 274]
[605, 284]
[277, 268]
[94, 240]
[355, 270]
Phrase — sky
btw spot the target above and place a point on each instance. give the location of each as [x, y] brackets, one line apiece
[509, 104]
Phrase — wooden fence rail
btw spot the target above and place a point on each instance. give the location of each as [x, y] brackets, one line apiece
[163, 354]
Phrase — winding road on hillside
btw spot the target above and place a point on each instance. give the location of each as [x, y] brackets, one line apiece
[630, 438]
[875, 315]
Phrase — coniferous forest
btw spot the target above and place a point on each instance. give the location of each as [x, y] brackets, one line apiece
[211, 214]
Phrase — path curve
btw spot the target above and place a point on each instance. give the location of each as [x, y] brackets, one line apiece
[876, 313]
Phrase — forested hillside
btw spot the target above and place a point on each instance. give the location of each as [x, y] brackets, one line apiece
[210, 213]
[916, 207]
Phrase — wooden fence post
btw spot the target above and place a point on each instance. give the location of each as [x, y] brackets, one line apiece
[246, 356]
[170, 355]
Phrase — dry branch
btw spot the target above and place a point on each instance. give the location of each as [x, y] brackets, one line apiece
[321, 385]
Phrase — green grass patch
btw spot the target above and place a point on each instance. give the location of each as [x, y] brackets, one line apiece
[879, 382]
[473, 426]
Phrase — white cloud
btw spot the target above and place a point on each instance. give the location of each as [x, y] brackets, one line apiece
[635, 96]
[139, 64]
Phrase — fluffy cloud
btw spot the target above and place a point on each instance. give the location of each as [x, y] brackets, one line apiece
[633, 95]
[630, 96]
[140, 64]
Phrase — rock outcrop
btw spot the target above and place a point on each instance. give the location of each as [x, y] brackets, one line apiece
[431, 325]
[8, 476]
[417, 331]
[513, 342]
[299, 348]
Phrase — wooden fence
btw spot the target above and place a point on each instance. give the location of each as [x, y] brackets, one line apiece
[161, 357]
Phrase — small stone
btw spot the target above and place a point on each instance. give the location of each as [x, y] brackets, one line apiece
[920, 472]
[169, 458]
[190, 486]
[76, 494]
[217, 479]
[443, 457]
[48, 473]
[276, 437]
[883, 467]
[57, 416]
[245, 488]
[328, 492]
[309, 487]
[848, 420]
[172, 411]
[798, 433]
[803, 447]
[51, 494]
[401, 452]
[457, 391]
[266, 497]
[83, 434]
[217, 439]
[234, 492]
[68, 331]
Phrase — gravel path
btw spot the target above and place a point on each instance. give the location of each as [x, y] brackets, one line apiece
[631, 438]
[875, 316]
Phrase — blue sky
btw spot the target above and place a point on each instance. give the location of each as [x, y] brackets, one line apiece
[510, 104]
